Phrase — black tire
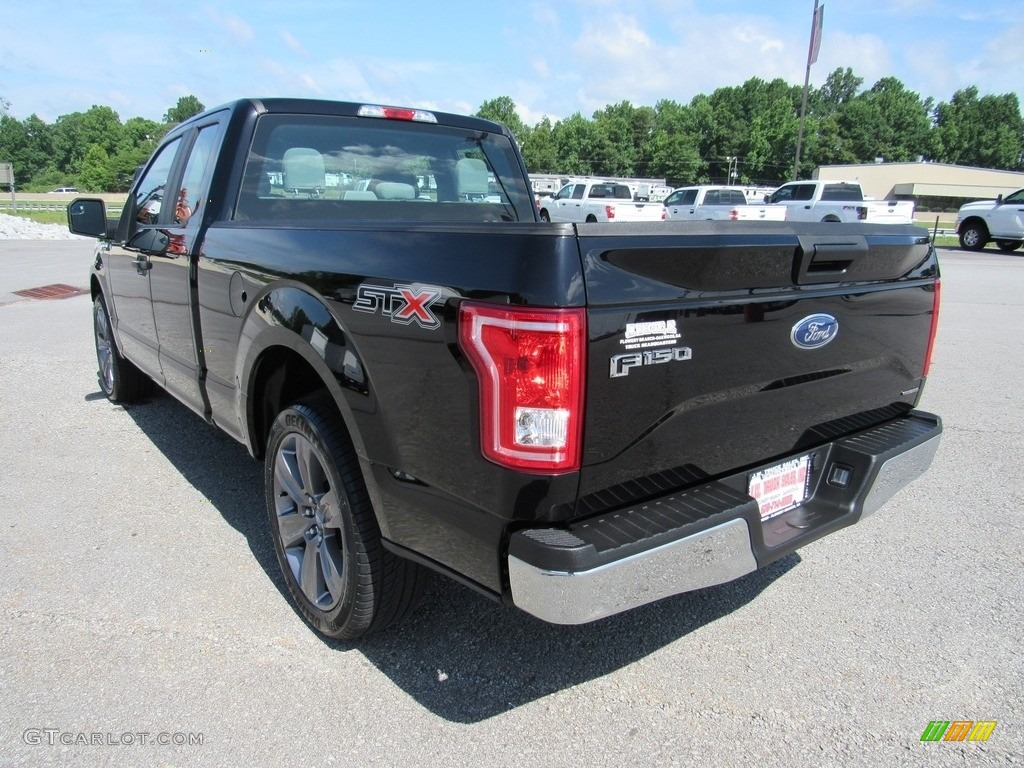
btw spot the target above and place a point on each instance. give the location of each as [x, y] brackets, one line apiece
[119, 379]
[1008, 245]
[325, 534]
[544, 216]
[592, 219]
[973, 236]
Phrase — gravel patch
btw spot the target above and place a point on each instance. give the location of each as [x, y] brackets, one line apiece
[17, 228]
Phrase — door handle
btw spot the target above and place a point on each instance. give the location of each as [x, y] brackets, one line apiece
[142, 264]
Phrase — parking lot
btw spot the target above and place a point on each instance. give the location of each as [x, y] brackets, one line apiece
[145, 622]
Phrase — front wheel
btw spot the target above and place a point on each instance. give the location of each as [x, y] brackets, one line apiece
[973, 237]
[1008, 245]
[325, 534]
[119, 379]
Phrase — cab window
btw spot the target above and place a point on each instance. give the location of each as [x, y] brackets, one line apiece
[151, 189]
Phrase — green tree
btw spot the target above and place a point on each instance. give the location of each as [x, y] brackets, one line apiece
[75, 133]
[986, 132]
[540, 151]
[675, 144]
[904, 121]
[96, 174]
[576, 139]
[139, 138]
[187, 106]
[27, 144]
[623, 139]
[839, 88]
[503, 110]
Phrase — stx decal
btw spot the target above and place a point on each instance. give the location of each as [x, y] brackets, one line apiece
[403, 304]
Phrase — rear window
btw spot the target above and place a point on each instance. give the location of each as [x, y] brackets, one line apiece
[614, 191]
[842, 192]
[322, 168]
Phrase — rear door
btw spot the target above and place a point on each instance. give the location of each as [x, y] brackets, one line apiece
[180, 351]
[713, 350]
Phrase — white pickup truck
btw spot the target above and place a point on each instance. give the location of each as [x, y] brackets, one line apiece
[838, 201]
[711, 203]
[583, 201]
[983, 221]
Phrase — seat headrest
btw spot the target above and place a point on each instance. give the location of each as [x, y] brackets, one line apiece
[303, 168]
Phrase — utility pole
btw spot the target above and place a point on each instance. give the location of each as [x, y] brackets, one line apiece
[812, 56]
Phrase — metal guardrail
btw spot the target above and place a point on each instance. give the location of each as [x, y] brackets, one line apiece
[35, 205]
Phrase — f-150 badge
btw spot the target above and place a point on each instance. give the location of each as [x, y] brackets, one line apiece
[402, 304]
[621, 364]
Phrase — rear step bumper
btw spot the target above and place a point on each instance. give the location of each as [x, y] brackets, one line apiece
[710, 534]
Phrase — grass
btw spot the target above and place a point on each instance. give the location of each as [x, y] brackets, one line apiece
[40, 217]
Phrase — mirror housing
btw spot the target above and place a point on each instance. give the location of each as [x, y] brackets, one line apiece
[151, 241]
[88, 216]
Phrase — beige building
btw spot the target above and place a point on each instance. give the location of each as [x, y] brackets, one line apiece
[931, 185]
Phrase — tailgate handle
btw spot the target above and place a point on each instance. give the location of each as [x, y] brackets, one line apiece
[827, 259]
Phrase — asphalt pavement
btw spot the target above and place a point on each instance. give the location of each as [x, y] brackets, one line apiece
[145, 622]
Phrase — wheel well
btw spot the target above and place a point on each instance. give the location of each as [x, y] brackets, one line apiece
[281, 378]
[976, 220]
[832, 219]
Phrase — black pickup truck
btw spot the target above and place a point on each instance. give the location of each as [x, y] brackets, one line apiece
[572, 419]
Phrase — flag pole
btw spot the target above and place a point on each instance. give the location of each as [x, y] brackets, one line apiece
[812, 56]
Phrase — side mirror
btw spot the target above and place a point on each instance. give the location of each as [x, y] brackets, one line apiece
[767, 198]
[999, 200]
[87, 216]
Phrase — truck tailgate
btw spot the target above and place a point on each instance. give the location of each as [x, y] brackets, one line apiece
[715, 348]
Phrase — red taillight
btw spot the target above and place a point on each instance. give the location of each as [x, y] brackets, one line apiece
[530, 363]
[609, 211]
[734, 215]
[934, 328]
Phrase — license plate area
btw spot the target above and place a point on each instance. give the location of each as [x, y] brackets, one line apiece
[780, 488]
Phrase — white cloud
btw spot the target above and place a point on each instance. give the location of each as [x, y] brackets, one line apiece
[293, 44]
[235, 27]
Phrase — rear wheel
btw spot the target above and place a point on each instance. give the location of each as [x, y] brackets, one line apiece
[544, 216]
[325, 534]
[973, 236]
[1008, 245]
[119, 379]
[592, 219]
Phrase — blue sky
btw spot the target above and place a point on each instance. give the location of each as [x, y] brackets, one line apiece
[552, 58]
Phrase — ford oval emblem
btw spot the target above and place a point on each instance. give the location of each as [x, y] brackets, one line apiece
[814, 331]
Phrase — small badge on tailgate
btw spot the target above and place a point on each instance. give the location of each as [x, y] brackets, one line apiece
[814, 331]
[621, 364]
[640, 337]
